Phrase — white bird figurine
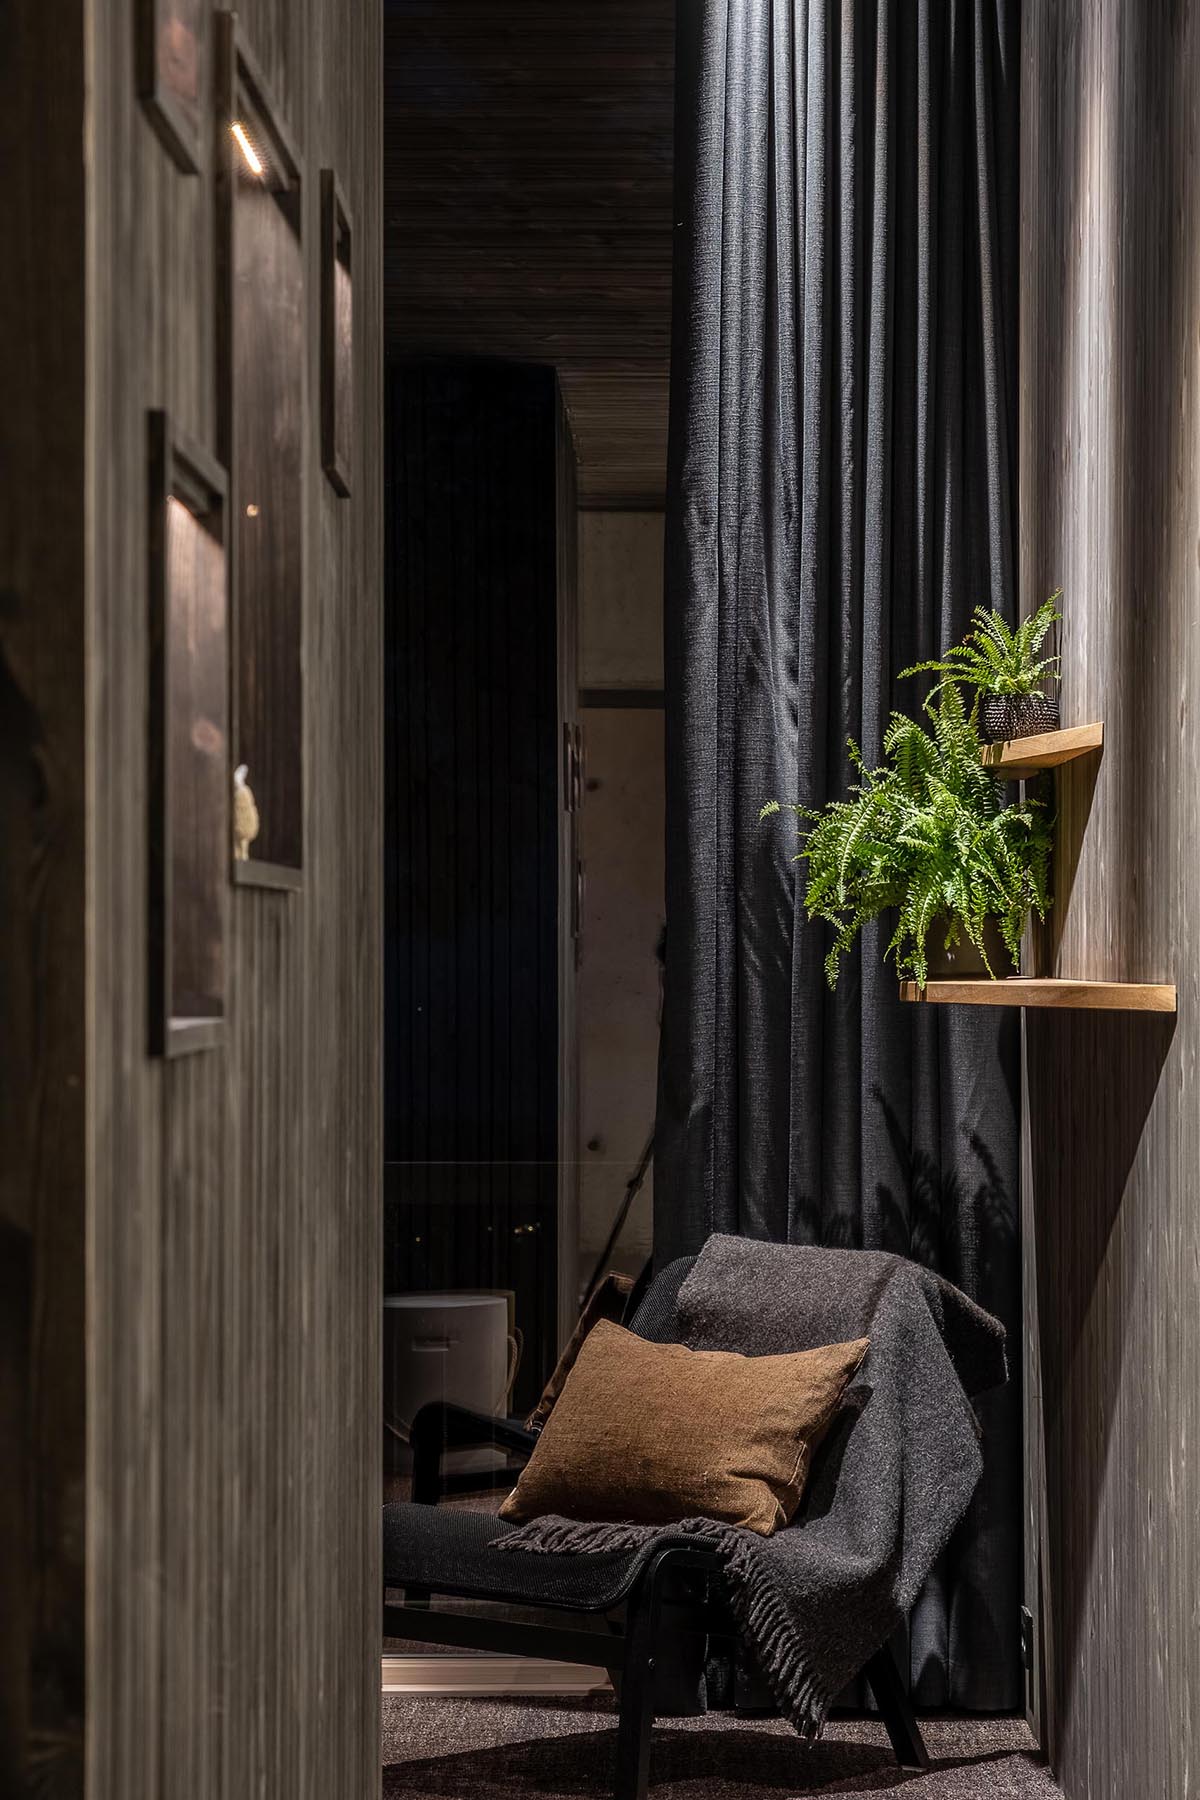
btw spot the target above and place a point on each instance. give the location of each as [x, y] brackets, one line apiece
[245, 815]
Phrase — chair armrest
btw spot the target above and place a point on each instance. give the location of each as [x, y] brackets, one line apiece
[440, 1425]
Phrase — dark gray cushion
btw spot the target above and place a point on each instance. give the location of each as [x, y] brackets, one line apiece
[654, 1319]
[448, 1552]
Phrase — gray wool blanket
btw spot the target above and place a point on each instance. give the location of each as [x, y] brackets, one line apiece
[889, 1484]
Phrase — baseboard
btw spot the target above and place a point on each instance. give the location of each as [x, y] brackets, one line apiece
[489, 1675]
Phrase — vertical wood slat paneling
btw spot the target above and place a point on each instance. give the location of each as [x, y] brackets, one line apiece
[236, 1205]
[1110, 501]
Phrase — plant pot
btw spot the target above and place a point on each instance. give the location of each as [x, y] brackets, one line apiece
[963, 962]
[1005, 716]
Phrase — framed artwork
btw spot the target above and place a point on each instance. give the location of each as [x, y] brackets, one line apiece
[337, 335]
[171, 55]
[188, 829]
[262, 339]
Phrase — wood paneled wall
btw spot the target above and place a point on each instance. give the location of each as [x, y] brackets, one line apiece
[1110, 508]
[196, 1244]
[42, 900]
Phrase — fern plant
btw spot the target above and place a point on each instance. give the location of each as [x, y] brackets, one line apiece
[928, 834]
[996, 659]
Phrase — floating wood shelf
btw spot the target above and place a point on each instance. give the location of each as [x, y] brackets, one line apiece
[184, 1035]
[1019, 758]
[267, 875]
[1031, 990]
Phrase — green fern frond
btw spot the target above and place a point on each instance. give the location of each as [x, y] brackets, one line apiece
[995, 657]
[928, 835]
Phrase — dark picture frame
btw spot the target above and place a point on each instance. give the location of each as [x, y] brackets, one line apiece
[188, 786]
[172, 56]
[262, 431]
[337, 334]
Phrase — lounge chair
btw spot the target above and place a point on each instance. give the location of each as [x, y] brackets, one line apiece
[649, 1622]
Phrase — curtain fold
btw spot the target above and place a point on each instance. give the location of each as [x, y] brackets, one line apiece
[841, 494]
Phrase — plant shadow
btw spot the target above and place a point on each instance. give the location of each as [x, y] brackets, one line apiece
[1092, 1081]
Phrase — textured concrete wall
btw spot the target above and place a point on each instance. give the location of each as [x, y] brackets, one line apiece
[622, 839]
[618, 979]
[620, 599]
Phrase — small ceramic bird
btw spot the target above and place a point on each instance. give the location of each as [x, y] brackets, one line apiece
[245, 815]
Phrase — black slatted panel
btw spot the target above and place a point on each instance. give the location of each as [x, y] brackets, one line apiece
[472, 838]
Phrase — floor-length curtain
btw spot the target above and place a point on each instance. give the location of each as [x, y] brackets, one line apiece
[841, 494]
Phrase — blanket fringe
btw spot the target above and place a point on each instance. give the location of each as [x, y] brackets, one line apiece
[803, 1693]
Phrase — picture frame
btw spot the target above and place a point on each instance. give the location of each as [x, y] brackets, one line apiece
[262, 431]
[172, 56]
[337, 335]
[188, 785]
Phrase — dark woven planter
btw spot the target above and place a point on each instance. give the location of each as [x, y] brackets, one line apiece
[963, 962]
[1004, 716]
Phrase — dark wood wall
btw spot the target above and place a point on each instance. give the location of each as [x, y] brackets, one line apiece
[220, 1213]
[1110, 508]
[479, 521]
[43, 334]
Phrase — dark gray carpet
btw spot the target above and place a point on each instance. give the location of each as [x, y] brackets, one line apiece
[487, 1749]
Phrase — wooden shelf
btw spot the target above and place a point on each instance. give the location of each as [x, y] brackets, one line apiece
[1019, 758]
[1031, 990]
[267, 875]
[183, 1036]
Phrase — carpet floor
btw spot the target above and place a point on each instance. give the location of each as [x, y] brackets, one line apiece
[516, 1749]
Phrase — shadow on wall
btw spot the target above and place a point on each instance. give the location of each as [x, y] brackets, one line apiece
[1092, 1081]
[1111, 280]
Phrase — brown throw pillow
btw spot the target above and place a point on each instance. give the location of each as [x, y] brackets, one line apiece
[608, 1301]
[656, 1432]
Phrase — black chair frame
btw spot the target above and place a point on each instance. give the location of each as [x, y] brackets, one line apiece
[441, 1426]
[653, 1646]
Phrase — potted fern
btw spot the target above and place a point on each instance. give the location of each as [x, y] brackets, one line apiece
[927, 838]
[1007, 672]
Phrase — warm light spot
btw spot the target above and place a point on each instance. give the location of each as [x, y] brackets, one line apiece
[252, 511]
[253, 159]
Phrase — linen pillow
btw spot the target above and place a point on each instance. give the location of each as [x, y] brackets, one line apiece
[655, 1432]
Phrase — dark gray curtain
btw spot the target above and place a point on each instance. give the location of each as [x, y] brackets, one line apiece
[842, 492]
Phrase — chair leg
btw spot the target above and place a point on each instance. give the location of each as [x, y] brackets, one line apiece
[426, 1471]
[891, 1697]
[426, 1444]
[637, 1698]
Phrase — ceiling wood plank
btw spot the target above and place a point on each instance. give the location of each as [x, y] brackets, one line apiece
[528, 163]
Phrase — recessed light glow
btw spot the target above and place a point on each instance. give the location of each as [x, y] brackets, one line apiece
[253, 159]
